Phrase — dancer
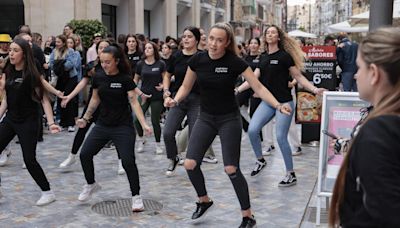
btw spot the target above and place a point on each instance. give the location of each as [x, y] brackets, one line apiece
[114, 91]
[283, 58]
[23, 93]
[216, 71]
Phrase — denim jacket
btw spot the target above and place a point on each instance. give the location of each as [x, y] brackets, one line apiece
[72, 62]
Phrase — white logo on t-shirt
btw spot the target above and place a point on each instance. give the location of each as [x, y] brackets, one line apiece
[116, 85]
[135, 58]
[18, 80]
[274, 61]
[221, 70]
[256, 60]
[155, 69]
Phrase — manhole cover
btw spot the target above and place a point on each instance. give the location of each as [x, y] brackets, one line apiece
[123, 207]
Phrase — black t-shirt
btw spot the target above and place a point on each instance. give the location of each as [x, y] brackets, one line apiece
[20, 105]
[39, 56]
[114, 106]
[133, 60]
[151, 76]
[274, 69]
[372, 191]
[253, 61]
[98, 71]
[217, 80]
[178, 68]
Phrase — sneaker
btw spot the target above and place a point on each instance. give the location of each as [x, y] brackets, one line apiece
[248, 222]
[260, 165]
[121, 169]
[159, 149]
[141, 143]
[88, 190]
[289, 180]
[201, 210]
[137, 204]
[172, 166]
[181, 160]
[46, 198]
[69, 161]
[210, 159]
[297, 152]
[71, 129]
[268, 151]
[4, 157]
[23, 166]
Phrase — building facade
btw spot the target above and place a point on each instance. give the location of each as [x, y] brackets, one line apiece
[154, 18]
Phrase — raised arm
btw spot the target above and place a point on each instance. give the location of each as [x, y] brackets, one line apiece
[184, 90]
[296, 74]
[82, 84]
[50, 88]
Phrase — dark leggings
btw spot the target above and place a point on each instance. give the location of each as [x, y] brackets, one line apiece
[27, 135]
[229, 129]
[156, 109]
[124, 140]
[189, 107]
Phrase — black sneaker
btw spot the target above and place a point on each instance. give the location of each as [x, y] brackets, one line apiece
[289, 180]
[260, 165]
[248, 222]
[201, 210]
[172, 166]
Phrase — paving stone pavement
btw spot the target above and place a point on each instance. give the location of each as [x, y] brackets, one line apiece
[273, 206]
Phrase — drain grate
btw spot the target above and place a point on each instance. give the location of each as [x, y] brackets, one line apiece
[123, 207]
[313, 215]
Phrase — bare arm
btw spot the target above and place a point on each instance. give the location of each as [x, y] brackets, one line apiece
[93, 104]
[133, 101]
[3, 106]
[166, 84]
[245, 85]
[136, 79]
[299, 77]
[184, 90]
[54, 128]
[263, 92]
[50, 88]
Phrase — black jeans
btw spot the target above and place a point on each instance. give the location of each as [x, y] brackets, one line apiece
[189, 107]
[124, 140]
[27, 132]
[229, 129]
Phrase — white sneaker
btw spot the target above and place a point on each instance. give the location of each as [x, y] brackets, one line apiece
[88, 190]
[71, 129]
[137, 204]
[69, 161]
[268, 152]
[210, 159]
[4, 157]
[46, 198]
[297, 152]
[121, 169]
[141, 141]
[181, 160]
[23, 166]
[159, 149]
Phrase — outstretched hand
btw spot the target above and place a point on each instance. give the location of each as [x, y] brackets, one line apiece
[54, 128]
[169, 102]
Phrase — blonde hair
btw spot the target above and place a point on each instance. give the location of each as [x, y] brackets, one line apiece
[232, 47]
[288, 44]
[382, 48]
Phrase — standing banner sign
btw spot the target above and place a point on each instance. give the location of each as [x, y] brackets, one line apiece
[340, 113]
[320, 70]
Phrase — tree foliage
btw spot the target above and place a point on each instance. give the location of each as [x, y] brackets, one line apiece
[86, 29]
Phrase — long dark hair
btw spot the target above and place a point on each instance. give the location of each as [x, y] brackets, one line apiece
[30, 74]
[155, 52]
[116, 51]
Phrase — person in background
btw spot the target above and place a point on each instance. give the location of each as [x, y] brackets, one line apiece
[366, 192]
[346, 53]
[91, 54]
[68, 30]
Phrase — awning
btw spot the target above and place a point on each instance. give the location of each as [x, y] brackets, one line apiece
[299, 33]
[345, 27]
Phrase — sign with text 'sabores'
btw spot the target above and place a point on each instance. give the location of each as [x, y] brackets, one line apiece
[320, 69]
